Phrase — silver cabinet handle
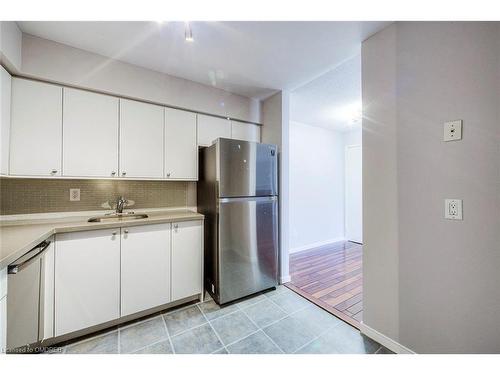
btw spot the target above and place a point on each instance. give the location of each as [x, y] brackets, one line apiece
[37, 251]
[113, 173]
[126, 231]
[124, 173]
[53, 171]
[114, 233]
[176, 226]
[168, 174]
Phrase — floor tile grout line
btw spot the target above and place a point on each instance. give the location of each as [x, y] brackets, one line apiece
[189, 329]
[313, 339]
[168, 334]
[215, 332]
[265, 334]
[147, 346]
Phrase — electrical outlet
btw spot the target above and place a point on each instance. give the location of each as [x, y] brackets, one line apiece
[452, 130]
[74, 195]
[453, 209]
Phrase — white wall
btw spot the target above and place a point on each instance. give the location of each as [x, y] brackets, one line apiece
[353, 137]
[10, 45]
[59, 63]
[380, 188]
[275, 117]
[316, 186]
[447, 271]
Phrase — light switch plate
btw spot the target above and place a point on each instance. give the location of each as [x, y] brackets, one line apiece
[453, 209]
[74, 195]
[452, 130]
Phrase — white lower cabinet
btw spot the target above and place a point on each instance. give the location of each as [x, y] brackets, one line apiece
[47, 314]
[87, 279]
[186, 258]
[3, 310]
[145, 267]
[136, 267]
[3, 325]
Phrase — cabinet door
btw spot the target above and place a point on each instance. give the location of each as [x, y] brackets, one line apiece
[87, 279]
[5, 94]
[47, 314]
[145, 267]
[141, 139]
[36, 129]
[181, 149]
[245, 132]
[3, 325]
[187, 252]
[90, 134]
[210, 128]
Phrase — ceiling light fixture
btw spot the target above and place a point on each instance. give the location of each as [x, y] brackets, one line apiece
[188, 33]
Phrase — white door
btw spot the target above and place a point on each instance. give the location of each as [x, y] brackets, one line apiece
[210, 128]
[5, 95]
[90, 134]
[181, 149]
[87, 279]
[145, 267]
[186, 259]
[36, 129]
[353, 194]
[141, 139]
[245, 132]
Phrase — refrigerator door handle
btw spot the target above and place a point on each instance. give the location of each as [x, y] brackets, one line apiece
[246, 199]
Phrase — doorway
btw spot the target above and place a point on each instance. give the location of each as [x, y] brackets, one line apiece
[325, 174]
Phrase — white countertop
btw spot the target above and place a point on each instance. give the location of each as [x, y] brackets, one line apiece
[17, 237]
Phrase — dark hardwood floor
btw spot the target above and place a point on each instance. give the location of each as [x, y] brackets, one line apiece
[331, 276]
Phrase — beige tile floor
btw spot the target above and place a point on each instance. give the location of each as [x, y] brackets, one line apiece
[276, 322]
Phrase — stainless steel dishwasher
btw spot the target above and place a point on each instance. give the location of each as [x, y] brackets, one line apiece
[25, 296]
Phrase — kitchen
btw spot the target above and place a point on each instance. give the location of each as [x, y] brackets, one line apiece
[160, 194]
[128, 210]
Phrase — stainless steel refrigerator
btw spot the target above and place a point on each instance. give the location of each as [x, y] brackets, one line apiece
[238, 194]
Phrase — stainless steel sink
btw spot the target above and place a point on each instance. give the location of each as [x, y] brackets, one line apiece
[117, 217]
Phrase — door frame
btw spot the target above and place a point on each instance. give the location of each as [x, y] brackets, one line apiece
[346, 148]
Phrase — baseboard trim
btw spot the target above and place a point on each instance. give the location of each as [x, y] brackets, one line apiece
[389, 343]
[285, 279]
[316, 244]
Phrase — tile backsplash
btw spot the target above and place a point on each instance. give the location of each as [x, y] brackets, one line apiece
[26, 196]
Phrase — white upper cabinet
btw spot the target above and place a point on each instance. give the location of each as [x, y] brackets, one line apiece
[210, 128]
[187, 252]
[36, 129]
[245, 132]
[181, 149]
[145, 267]
[90, 134]
[87, 279]
[5, 93]
[141, 139]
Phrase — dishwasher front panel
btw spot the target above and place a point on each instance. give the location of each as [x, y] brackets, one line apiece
[23, 304]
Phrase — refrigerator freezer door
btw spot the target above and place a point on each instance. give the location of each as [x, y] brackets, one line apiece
[247, 169]
[248, 246]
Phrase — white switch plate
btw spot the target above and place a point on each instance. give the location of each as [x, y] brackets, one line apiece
[74, 195]
[453, 209]
[452, 130]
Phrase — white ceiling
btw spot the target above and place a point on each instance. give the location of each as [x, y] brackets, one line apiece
[332, 100]
[248, 58]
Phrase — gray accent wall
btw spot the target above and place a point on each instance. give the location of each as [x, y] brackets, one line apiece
[443, 292]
